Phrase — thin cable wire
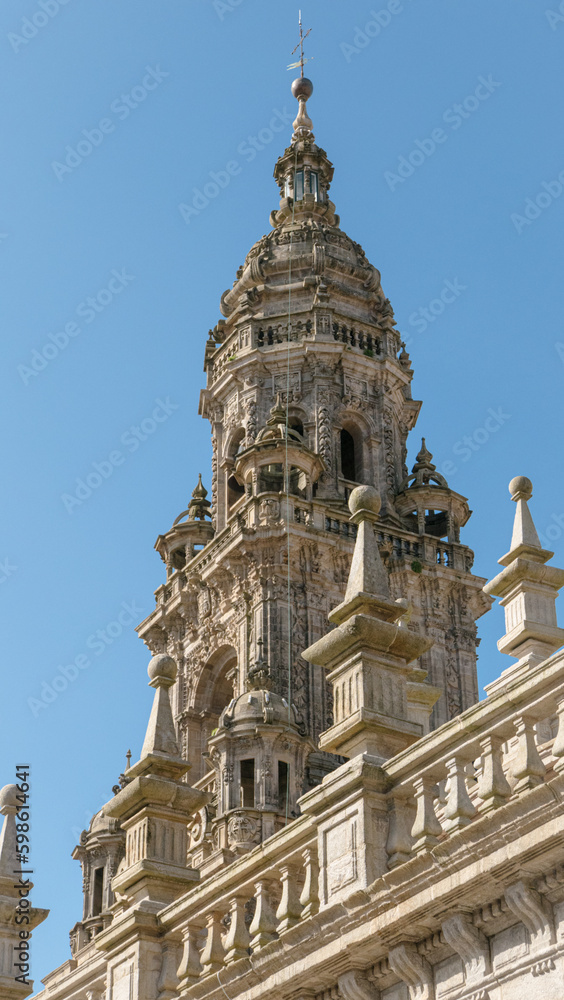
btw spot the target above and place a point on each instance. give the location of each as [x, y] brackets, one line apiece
[287, 471]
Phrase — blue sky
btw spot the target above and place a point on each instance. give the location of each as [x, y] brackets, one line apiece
[112, 116]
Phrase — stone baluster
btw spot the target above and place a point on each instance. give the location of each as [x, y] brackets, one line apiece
[493, 787]
[263, 926]
[527, 766]
[190, 968]
[289, 910]
[309, 898]
[426, 828]
[398, 844]
[212, 957]
[237, 940]
[558, 745]
[459, 809]
[168, 978]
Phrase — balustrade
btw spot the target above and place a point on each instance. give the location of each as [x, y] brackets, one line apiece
[249, 920]
[472, 773]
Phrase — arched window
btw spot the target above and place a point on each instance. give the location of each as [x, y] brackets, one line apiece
[348, 457]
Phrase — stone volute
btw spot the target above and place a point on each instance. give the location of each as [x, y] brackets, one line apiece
[368, 655]
[527, 589]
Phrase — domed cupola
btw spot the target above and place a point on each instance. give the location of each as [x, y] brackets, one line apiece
[427, 505]
[259, 752]
[279, 446]
[100, 852]
[191, 530]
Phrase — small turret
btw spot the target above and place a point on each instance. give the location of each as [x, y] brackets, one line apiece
[191, 530]
[427, 505]
[259, 752]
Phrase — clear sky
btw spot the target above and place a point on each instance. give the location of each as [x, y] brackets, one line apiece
[444, 122]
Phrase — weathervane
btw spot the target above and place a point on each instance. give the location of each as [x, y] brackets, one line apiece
[300, 64]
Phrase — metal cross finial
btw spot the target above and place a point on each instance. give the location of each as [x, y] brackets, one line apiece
[302, 61]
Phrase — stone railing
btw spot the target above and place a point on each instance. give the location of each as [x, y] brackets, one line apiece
[275, 509]
[481, 760]
[241, 909]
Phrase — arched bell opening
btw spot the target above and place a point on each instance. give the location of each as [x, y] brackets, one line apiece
[214, 691]
[352, 457]
[348, 456]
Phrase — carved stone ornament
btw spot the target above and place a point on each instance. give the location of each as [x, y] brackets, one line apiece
[241, 829]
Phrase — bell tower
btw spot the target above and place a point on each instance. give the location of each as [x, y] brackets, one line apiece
[308, 394]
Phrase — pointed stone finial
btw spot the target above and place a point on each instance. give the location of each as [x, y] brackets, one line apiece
[369, 653]
[528, 590]
[423, 458]
[128, 759]
[367, 575]
[161, 734]
[524, 531]
[8, 838]
[277, 413]
[199, 507]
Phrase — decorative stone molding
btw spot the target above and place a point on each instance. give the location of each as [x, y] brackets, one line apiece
[353, 985]
[413, 969]
[470, 943]
[534, 911]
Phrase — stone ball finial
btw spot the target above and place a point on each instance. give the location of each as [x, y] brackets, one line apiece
[521, 488]
[162, 668]
[302, 88]
[365, 498]
[9, 799]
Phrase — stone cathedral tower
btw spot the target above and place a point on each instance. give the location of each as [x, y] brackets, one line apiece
[273, 841]
[308, 395]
